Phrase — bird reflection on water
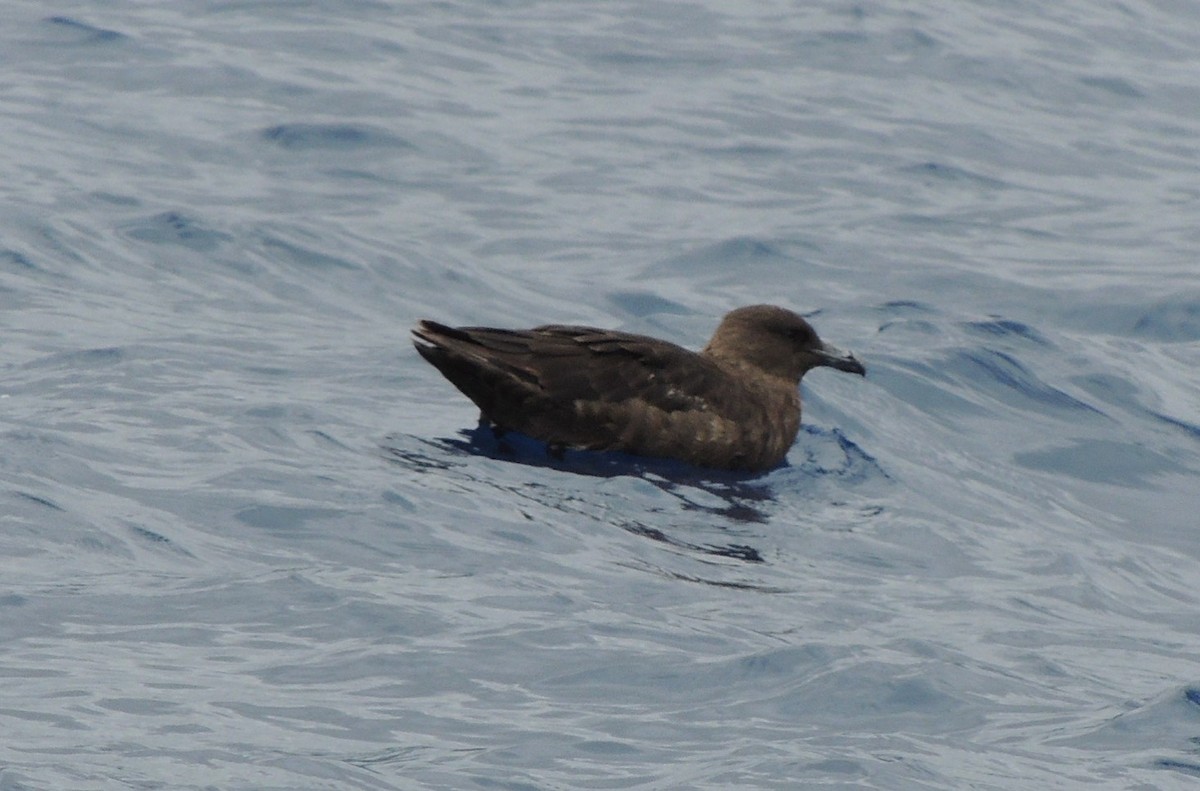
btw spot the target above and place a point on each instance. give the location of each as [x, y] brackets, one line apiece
[725, 501]
[739, 491]
[733, 497]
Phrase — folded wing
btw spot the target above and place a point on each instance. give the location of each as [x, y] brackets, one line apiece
[557, 366]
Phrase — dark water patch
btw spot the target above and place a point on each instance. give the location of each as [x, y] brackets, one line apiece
[879, 695]
[987, 367]
[735, 499]
[81, 358]
[345, 137]
[1172, 320]
[829, 452]
[357, 174]
[737, 259]
[736, 552]
[270, 411]
[116, 200]
[1125, 394]
[717, 559]
[921, 386]
[12, 299]
[53, 241]
[1116, 86]
[72, 31]
[643, 60]
[923, 222]
[408, 754]
[905, 305]
[410, 459]
[33, 498]
[606, 748]
[1100, 461]
[271, 371]
[277, 518]
[748, 151]
[1191, 429]
[999, 327]
[730, 584]
[1108, 388]
[328, 439]
[307, 256]
[908, 315]
[918, 326]
[738, 249]
[741, 552]
[951, 174]
[12, 259]
[1187, 767]
[176, 228]
[138, 706]
[642, 304]
[837, 766]
[157, 540]
[773, 665]
[149, 535]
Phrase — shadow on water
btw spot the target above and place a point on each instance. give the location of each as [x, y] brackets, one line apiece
[733, 497]
[738, 492]
[743, 552]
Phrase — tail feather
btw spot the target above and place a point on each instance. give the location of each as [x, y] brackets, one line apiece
[468, 356]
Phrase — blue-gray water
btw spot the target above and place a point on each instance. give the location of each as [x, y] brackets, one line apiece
[247, 544]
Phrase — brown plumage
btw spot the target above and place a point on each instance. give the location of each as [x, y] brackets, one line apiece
[734, 405]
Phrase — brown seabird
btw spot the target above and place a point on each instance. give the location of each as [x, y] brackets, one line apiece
[734, 405]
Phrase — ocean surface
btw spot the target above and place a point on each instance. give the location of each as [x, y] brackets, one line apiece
[250, 540]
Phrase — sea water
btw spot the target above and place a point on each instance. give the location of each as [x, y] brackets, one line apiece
[250, 539]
